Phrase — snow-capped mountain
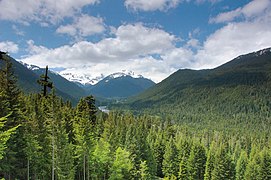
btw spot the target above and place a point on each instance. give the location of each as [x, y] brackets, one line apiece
[120, 85]
[117, 85]
[82, 79]
[86, 79]
[30, 66]
[124, 73]
[59, 82]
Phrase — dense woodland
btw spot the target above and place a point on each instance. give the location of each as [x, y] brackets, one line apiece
[43, 137]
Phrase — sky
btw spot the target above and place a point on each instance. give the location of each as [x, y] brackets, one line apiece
[153, 38]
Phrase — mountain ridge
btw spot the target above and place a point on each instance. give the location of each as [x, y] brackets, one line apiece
[249, 70]
[83, 79]
[117, 85]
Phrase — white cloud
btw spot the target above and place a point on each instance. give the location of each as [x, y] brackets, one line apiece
[43, 11]
[161, 5]
[203, 1]
[253, 9]
[8, 46]
[83, 26]
[241, 37]
[151, 5]
[226, 16]
[233, 40]
[17, 30]
[131, 48]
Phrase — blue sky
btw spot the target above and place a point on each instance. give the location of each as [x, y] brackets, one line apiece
[153, 38]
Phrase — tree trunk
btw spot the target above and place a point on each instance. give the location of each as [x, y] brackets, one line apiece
[84, 167]
[28, 178]
[87, 168]
[53, 161]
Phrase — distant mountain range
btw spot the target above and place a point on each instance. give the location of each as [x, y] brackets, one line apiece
[117, 85]
[249, 71]
[83, 79]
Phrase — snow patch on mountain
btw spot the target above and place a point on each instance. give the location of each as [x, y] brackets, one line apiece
[84, 78]
[81, 78]
[30, 66]
[263, 51]
[124, 73]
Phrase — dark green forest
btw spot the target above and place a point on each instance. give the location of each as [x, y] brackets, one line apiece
[45, 137]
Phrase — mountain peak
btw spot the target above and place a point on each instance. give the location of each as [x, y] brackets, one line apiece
[124, 73]
[82, 78]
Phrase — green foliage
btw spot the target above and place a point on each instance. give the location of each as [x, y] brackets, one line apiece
[196, 161]
[223, 165]
[122, 165]
[241, 166]
[210, 162]
[184, 152]
[102, 157]
[253, 166]
[144, 171]
[265, 169]
[170, 162]
[4, 136]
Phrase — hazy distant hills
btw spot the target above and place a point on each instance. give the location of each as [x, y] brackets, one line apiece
[234, 84]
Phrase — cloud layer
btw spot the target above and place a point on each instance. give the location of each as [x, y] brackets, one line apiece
[83, 26]
[132, 47]
[43, 11]
[254, 9]
[9, 46]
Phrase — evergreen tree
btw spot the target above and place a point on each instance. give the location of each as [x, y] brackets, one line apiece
[84, 125]
[184, 152]
[122, 165]
[157, 146]
[9, 92]
[223, 165]
[210, 162]
[64, 153]
[265, 166]
[144, 171]
[170, 163]
[33, 154]
[4, 136]
[241, 166]
[102, 160]
[196, 161]
[253, 167]
[14, 163]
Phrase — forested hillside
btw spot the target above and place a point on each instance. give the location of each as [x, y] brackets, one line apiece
[27, 81]
[234, 96]
[43, 137]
